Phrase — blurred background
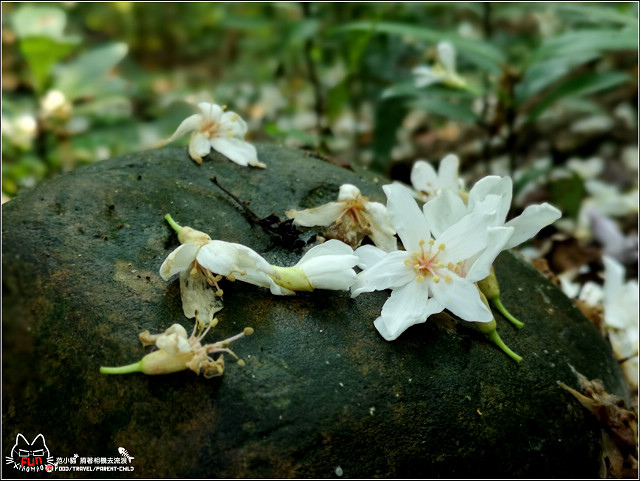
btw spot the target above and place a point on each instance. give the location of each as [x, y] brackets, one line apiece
[544, 92]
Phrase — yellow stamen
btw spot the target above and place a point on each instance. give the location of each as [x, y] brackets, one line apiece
[421, 243]
[407, 262]
[431, 242]
[441, 247]
[448, 279]
[420, 278]
[436, 279]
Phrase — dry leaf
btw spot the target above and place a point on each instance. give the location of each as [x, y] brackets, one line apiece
[620, 430]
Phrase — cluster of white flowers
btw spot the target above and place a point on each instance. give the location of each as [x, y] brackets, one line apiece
[449, 245]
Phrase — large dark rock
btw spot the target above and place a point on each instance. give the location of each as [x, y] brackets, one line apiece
[320, 389]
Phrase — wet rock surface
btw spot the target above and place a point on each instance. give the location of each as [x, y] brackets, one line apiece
[321, 393]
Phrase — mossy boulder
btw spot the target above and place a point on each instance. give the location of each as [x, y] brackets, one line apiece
[321, 395]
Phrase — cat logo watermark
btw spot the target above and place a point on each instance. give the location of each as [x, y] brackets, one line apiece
[35, 456]
[31, 456]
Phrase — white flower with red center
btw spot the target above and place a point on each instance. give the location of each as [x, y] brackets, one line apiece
[431, 274]
[218, 130]
[350, 219]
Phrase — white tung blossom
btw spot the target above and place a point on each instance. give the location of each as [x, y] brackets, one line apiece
[351, 218]
[218, 130]
[428, 184]
[202, 262]
[431, 274]
[443, 71]
[525, 226]
[177, 352]
[325, 266]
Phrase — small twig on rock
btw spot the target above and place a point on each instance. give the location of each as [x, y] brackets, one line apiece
[283, 232]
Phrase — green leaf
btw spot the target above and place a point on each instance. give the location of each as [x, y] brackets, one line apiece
[567, 194]
[389, 115]
[543, 74]
[586, 42]
[597, 14]
[582, 85]
[85, 75]
[41, 54]
[483, 54]
[445, 108]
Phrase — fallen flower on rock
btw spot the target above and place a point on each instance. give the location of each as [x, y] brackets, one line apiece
[351, 218]
[177, 352]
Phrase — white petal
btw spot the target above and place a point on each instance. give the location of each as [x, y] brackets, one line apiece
[193, 122]
[480, 268]
[369, 255]
[199, 299]
[328, 248]
[620, 298]
[179, 260]
[331, 272]
[530, 222]
[424, 177]
[329, 265]
[406, 217]
[461, 297]
[199, 146]
[447, 56]
[405, 307]
[443, 211]
[389, 272]
[234, 125]
[210, 112]
[348, 192]
[424, 76]
[239, 151]
[219, 257]
[382, 231]
[448, 172]
[492, 184]
[465, 238]
[323, 215]
[177, 329]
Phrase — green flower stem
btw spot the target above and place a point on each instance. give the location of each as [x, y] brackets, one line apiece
[495, 337]
[489, 287]
[135, 367]
[174, 225]
[498, 305]
[489, 329]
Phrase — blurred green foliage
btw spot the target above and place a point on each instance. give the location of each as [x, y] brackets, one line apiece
[85, 81]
